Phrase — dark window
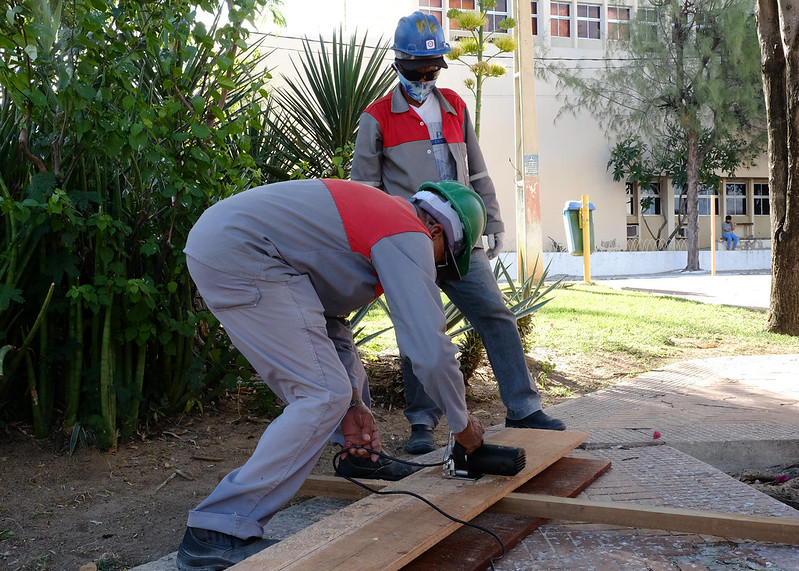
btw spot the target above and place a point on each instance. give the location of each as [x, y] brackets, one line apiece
[560, 19]
[650, 200]
[735, 198]
[589, 21]
[761, 199]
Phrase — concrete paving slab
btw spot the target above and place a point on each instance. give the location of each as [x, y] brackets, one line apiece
[727, 411]
[734, 413]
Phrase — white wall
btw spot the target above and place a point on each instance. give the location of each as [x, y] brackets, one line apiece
[610, 264]
[314, 17]
[619, 264]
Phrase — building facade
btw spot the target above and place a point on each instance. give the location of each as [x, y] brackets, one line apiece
[573, 151]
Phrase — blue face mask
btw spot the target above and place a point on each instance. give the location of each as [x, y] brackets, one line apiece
[417, 90]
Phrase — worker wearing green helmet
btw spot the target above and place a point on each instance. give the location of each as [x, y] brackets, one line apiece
[279, 265]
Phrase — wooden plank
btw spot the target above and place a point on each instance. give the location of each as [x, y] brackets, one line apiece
[565, 478]
[336, 487]
[469, 549]
[740, 526]
[759, 528]
[386, 532]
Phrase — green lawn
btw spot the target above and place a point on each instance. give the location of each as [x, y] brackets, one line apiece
[591, 321]
[587, 320]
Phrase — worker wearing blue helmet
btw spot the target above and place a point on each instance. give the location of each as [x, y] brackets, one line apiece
[422, 133]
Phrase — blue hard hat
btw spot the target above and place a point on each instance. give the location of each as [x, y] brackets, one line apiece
[420, 36]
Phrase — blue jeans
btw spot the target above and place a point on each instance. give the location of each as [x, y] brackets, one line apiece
[731, 239]
[478, 297]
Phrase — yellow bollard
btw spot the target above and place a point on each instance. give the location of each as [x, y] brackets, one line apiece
[712, 235]
[585, 224]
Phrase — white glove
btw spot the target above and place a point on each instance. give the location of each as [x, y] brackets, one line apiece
[495, 244]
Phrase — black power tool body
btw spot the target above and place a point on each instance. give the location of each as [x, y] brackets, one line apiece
[488, 459]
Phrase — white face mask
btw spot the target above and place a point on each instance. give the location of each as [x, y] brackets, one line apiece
[417, 90]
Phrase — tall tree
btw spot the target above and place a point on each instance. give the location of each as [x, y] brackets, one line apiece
[689, 72]
[778, 32]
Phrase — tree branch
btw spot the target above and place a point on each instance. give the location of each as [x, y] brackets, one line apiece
[23, 143]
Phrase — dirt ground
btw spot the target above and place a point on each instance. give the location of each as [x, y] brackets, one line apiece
[122, 509]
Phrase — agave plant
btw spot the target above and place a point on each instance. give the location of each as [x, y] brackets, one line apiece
[523, 300]
[319, 110]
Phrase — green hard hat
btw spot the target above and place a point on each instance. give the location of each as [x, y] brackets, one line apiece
[472, 213]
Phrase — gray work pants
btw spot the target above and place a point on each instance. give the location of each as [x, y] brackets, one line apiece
[281, 329]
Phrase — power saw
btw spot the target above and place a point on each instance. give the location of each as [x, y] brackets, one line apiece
[488, 459]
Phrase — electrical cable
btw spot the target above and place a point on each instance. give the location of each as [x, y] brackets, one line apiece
[337, 461]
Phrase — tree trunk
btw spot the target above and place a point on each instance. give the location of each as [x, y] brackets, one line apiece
[780, 62]
[692, 201]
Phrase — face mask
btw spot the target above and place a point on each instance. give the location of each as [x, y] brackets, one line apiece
[417, 90]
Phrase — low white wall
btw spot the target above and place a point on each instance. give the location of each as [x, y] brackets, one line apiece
[614, 264]
[640, 263]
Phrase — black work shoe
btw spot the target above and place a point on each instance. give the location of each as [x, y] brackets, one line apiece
[207, 550]
[538, 419]
[421, 440]
[383, 469]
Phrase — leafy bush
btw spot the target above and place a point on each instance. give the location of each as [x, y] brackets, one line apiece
[130, 118]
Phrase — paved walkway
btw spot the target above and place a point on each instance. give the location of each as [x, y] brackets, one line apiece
[715, 417]
[750, 290]
[733, 413]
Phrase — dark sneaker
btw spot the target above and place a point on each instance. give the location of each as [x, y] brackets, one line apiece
[206, 550]
[421, 440]
[383, 469]
[538, 419]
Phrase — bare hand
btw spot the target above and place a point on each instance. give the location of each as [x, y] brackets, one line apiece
[360, 430]
[471, 437]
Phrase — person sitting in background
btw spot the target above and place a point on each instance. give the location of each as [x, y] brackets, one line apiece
[727, 233]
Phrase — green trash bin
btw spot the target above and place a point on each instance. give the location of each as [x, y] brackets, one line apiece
[571, 221]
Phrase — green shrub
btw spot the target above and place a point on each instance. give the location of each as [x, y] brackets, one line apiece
[120, 123]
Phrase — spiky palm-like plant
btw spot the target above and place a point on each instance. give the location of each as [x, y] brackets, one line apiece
[320, 109]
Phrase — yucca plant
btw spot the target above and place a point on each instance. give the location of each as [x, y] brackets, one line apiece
[320, 109]
[523, 300]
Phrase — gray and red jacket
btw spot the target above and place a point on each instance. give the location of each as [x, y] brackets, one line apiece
[393, 151]
[354, 242]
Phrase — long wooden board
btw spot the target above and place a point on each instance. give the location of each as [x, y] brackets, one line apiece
[740, 526]
[523, 504]
[387, 532]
